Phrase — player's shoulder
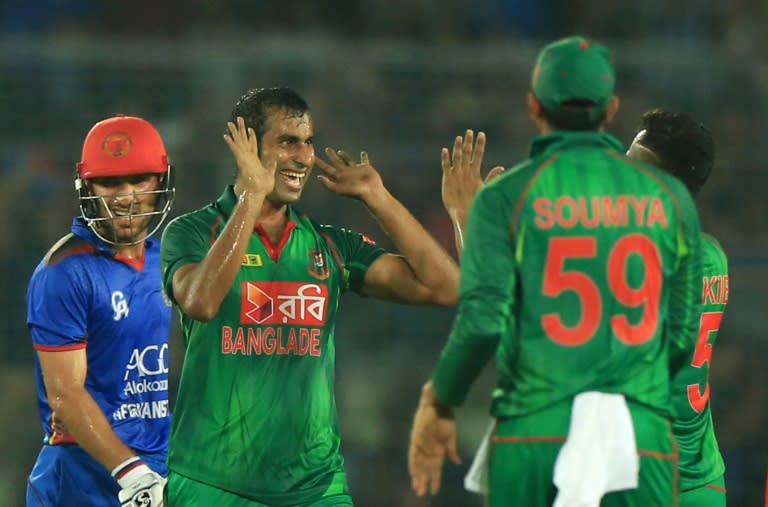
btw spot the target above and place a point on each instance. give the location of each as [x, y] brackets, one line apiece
[657, 176]
[67, 262]
[512, 180]
[201, 218]
[67, 249]
[337, 234]
[713, 248]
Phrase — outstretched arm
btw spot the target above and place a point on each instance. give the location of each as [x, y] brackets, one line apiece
[424, 273]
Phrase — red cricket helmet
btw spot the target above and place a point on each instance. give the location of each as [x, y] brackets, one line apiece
[121, 146]
[118, 147]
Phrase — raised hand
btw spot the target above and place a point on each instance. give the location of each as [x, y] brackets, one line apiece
[252, 176]
[344, 176]
[461, 171]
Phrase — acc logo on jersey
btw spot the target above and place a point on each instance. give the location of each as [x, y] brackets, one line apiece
[119, 305]
[317, 267]
[291, 303]
[149, 361]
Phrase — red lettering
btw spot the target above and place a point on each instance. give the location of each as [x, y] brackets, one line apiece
[657, 213]
[303, 341]
[292, 343]
[268, 340]
[254, 341]
[544, 218]
[239, 342]
[639, 207]
[560, 207]
[614, 213]
[281, 350]
[314, 341]
[724, 289]
[226, 340]
[586, 220]
[708, 292]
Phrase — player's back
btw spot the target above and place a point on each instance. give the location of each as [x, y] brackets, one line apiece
[700, 459]
[597, 239]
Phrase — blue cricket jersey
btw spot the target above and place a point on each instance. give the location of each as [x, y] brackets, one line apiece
[82, 296]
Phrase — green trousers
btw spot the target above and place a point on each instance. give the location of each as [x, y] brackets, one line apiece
[525, 448]
[181, 491]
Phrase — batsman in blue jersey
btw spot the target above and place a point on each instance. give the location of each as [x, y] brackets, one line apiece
[99, 325]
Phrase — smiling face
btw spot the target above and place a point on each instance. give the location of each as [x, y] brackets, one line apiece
[289, 142]
[124, 205]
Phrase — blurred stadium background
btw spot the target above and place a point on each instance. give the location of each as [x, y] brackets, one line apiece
[398, 78]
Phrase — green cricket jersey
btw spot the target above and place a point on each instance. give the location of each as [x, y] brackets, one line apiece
[255, 413]
[581, 270]
[700, 459]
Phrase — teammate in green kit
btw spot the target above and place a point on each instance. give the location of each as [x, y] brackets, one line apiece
[679, 144]
[582, 273]
[258, 284]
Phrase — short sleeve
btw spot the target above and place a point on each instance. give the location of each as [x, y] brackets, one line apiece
[183, 242]
[57, 307]
[357, 252]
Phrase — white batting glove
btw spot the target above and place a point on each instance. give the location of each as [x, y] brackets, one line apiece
[140, 486]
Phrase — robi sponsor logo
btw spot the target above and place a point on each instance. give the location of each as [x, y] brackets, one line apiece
[292, 303]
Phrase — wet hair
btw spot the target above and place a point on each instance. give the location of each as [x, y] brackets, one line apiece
[573, 115]
[684, 146]
[256, 104]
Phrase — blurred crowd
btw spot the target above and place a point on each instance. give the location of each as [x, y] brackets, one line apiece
[399, 79]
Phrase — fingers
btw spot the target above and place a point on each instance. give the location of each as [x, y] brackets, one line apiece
[327, 182]
[467, 148]
[325, 166]
[434, 480]
[445, 160]
[458, 144]
[415, 468]
[240, 135]
[339, 155]
[453, 454]
[493, 173]
[478, 152]
[337, 158]
[364, 158]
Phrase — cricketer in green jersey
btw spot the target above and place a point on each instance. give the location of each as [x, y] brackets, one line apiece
[682, 146]
[258, 285]
[581, 272]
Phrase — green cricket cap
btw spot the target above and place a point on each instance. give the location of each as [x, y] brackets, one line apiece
[574, 69]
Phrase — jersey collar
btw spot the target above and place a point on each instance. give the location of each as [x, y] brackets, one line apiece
[563, 139]
[81, 229]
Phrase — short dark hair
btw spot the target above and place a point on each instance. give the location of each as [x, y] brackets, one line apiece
[573, 115]
[683, 145]
[255, 105]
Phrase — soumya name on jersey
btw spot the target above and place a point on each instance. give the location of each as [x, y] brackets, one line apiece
[600, 211]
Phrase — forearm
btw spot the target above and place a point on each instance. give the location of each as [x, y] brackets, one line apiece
[459, 221]
[430, 262]
[201, 291]
[84, 420]
[471, 344]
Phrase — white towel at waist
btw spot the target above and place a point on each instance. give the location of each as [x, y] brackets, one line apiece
[600, 452]
[476, 479]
